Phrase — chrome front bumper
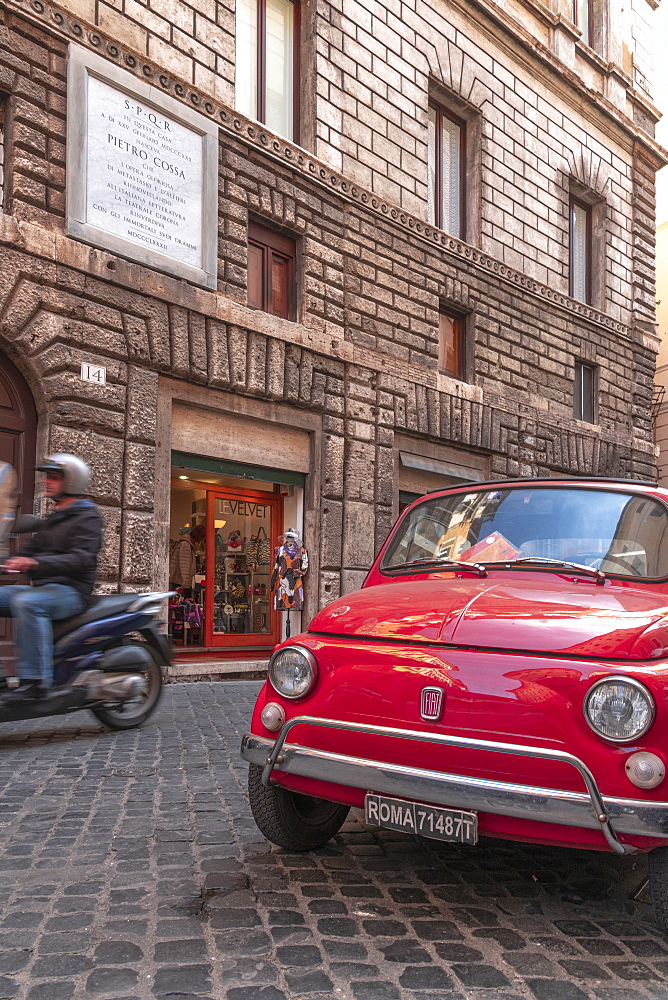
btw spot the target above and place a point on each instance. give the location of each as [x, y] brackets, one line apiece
[589, 810]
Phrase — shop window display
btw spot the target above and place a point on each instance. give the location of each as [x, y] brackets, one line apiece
[241, 601]
[223, 544]
[186, 566]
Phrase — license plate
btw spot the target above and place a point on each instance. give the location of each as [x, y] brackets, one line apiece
[426, 821]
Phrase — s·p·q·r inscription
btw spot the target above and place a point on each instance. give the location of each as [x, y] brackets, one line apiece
[144, 173]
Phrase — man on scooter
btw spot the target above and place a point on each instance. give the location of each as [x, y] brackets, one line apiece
[61, 561]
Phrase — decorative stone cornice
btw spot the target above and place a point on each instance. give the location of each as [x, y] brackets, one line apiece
[254, 135]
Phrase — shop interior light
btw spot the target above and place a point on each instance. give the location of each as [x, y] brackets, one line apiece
[183, 477]
[219, 524]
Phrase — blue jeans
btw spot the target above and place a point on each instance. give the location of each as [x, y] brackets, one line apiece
[34, 608]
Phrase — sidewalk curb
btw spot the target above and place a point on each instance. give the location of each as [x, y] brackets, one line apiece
[217, 670]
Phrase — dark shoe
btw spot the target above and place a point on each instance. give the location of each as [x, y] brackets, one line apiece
[27, 690]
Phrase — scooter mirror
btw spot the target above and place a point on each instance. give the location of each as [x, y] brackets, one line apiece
[24, 523]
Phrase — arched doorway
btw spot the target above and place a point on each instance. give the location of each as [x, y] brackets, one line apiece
[18, 432]
[18, 429]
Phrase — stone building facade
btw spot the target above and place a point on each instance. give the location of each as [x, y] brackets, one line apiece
[661, 378]
[347, 396]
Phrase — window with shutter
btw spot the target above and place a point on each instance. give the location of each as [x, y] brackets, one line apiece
[267, 64]
[433, 168]
[246, 83]
[255, 281]
[584, 395]
[582, 17]
[447, 138]
[452, 175]
[451, 344]
[580, 251]
[271, 282]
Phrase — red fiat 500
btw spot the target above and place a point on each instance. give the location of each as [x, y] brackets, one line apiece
[503, 672]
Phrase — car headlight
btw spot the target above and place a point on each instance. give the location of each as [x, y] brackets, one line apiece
[619, 708]
[293, 671]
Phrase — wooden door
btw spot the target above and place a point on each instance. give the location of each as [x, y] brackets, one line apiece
[18, 430]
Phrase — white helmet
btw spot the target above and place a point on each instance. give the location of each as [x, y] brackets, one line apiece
[76, 474]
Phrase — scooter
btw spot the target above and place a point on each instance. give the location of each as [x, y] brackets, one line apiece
[109, 659]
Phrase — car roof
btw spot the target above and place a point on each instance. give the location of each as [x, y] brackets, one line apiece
[642, 485]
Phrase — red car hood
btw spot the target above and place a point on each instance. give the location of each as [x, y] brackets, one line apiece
[530, 612]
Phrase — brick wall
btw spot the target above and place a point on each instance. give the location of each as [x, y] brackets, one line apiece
[375, 65]
[192, 39]
[376, 69]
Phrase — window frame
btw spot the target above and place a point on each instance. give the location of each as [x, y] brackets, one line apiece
[574, 201]
[270, 242]
[261, 65]
[588, 34]
[581, 412]
[460, 324]
[444, 112]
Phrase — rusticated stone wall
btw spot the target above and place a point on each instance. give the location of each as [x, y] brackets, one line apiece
[48, 327]
[361, 357]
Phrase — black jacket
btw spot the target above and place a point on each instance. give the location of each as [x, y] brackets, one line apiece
[66, 548]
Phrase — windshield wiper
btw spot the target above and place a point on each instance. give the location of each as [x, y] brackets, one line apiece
[546, 561]
[433, 561]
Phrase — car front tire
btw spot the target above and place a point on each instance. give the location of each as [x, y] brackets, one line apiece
[295, 822]
[658, 885]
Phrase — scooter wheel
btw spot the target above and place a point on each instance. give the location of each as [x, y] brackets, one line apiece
[132, 713]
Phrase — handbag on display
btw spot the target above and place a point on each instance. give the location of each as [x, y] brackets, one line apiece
[258, 549]
[193, 615]
[237, 589]
[252, 546]
[234, 540]
[262, 547]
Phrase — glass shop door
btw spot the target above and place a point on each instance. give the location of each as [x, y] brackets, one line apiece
[242, 528]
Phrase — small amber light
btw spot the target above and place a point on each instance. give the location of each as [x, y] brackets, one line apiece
[272, 716]
[645, 770]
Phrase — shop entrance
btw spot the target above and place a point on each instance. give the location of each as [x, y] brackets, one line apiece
[240, 528]
[226, 520]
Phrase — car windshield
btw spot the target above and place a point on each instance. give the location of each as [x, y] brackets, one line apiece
[622, 534]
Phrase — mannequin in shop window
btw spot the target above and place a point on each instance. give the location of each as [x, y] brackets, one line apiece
[182, 564]
[290, 567]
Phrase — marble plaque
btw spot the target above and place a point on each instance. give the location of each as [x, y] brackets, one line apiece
[144, 174]
[142, 171]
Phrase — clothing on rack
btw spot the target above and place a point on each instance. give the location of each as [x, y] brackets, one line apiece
[182, 563]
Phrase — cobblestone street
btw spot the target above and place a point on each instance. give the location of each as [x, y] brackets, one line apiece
[131, 869]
